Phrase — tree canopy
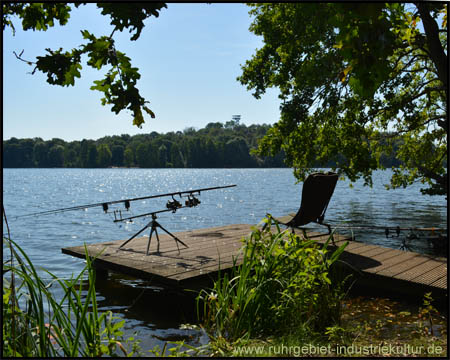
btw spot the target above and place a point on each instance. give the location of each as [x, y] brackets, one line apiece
[63, 66]
[356, 80]
[214, 146]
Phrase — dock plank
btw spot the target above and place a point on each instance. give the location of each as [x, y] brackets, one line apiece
[397, 268]
[426, 273]
[390, 261]
[215, 248]
[441, 282]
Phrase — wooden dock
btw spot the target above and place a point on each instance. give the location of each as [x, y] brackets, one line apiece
[389, 269]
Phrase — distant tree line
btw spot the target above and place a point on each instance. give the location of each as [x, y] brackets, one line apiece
[217, 145]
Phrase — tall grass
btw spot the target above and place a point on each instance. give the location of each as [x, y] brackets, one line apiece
[282, 284]
[46, 326]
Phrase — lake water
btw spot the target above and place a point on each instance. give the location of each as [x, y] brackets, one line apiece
[157, 313]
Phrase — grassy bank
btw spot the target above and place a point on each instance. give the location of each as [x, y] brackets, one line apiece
[369, 327]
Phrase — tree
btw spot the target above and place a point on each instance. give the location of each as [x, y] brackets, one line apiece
[56, 156]
[91, 155]
[70, 157]
[210, 157]
[27, 147]
[40, 154]
[355, 80]
[104, 156]
[84, 148]
[11, 155]
[62, 67]
[129, 157]
[237, 153]
[117, 152]
[18, 153]
[194, 152]
[152, 158]
[175, 156]
[141, 155]
[162, 155]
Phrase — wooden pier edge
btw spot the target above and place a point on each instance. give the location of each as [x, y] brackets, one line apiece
[378, 270]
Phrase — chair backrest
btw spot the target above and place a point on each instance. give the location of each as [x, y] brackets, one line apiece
[316, 194]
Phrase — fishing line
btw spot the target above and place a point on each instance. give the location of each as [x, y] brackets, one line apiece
[126, 202]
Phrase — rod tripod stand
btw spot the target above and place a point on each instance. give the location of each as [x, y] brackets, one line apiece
[153, 224]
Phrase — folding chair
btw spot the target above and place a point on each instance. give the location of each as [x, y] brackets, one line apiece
[316, 194]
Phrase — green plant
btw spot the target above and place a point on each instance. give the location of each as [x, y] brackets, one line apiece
[426, 312]
[283, 282]
[181, 349]
[338, 335]
[47, 326]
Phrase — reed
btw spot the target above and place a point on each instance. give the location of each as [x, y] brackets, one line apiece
[47, 326]
[282, 284]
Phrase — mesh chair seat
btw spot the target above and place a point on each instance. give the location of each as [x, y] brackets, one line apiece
[316, 194]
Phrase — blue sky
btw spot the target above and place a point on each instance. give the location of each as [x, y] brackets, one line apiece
[188, 58]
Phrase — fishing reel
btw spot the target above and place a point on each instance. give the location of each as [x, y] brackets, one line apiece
[192, 201]
[404, 245]
[397, 231]
[106, 207]
[173, 205]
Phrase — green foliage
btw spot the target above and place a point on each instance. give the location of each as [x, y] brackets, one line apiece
[117, 155]
[40, 153]
[130, 16]
[92, 156]
[355, 81]
[128, 157]
[283, 283]
[56, 156]
[179, 350]
[206, 148]
[215, 146]
[62, 67]
[104, 156]
[35, 16]
[71, 326]
[427, 311]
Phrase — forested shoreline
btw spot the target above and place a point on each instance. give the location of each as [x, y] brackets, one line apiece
[217, 145]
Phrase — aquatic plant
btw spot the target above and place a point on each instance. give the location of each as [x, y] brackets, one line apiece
[282, 283]
[47, 326]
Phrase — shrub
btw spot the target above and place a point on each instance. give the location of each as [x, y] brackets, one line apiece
[282, 283]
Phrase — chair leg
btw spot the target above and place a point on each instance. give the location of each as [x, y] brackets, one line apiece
[329, 233]
[305, 235]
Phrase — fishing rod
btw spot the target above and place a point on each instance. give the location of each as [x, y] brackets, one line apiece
[389, 229]
[171, 205]
[105, 205]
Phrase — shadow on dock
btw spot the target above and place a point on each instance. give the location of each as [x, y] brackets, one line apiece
[377, 270]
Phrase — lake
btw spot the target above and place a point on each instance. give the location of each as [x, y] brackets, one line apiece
[155, 312]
